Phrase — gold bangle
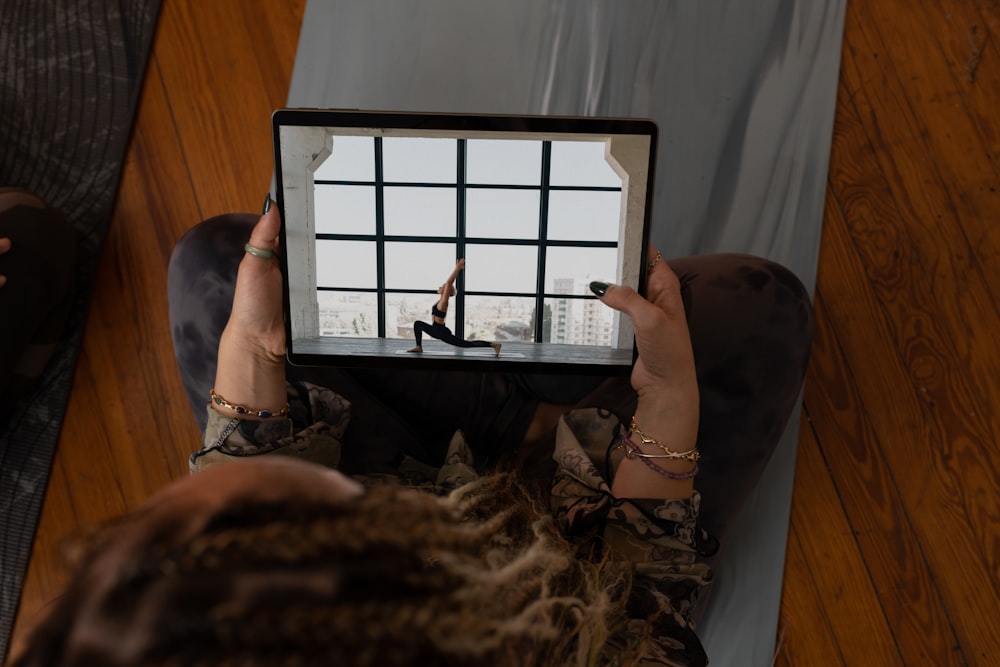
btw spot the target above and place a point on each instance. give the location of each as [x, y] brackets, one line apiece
[632, 452]
[243, 410]
[690, 455]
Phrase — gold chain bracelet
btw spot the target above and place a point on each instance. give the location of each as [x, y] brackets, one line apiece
[632, 451]
[690, 455]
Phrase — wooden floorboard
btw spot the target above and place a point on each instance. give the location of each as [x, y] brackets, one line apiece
[219, 103]
[868, 492]
[904, 214]
[805, 636]
[893, 551]
[830, 594]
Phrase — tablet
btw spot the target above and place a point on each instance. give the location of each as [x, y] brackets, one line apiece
[511, 217]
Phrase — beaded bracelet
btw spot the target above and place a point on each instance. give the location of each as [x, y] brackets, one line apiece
[632, 451]
[690, 455]
[243, 410]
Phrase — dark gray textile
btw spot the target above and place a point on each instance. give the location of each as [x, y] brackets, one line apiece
[69, 84]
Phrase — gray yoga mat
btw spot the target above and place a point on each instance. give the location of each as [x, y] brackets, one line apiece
[69, 84]
[744, 95]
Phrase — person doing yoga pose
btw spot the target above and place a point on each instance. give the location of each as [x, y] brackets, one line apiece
[437, 328]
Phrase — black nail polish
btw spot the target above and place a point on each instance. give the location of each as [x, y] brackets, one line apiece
[598, 288]
[267, 204]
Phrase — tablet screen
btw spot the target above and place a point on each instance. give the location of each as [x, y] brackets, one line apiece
[503, 221]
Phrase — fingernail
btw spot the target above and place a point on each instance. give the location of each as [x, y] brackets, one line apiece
[599, 288]
[267, 204]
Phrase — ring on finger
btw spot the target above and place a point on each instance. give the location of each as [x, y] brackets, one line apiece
[258, 252]
[653, 262]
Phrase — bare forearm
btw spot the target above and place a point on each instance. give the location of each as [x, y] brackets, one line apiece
[674, 424]
[245, 377]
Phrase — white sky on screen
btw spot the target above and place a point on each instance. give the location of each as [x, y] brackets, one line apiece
[511, 214]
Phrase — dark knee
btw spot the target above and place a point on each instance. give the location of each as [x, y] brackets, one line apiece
[221, 235]
[736, 285]
[205, 260]
[750, 319]
[786, 299]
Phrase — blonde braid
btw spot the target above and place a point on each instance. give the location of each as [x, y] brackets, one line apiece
[395, 577]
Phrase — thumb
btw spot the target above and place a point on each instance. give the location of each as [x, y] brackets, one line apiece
[627, 300]
[265, 232]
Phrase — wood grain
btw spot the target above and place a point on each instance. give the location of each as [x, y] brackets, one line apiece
[805, 635]
[831, 547]
[219, 104]
[830, 612]
[938, 316]
[891, 552]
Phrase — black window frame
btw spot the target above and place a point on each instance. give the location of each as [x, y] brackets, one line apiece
[461, 240]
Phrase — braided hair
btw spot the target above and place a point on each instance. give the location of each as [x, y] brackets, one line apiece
[397, 576]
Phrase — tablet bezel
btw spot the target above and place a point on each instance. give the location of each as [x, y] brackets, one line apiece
[468, 124]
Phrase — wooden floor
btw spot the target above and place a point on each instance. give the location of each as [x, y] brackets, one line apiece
[894, 548]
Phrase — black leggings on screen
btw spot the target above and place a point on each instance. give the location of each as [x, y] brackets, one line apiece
[443, 334]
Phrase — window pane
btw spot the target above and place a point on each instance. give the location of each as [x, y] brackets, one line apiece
[345, 264]
[423, 266]
[420, 211]
[419, 160]
[345, 209]
[353, 314]
[576, 215]
[499, 318]
[506, 214]
[402, 310]
[351, 159]
[578, 322]
[498, 268]
[581, 163]
[506, 161]
[570, 270]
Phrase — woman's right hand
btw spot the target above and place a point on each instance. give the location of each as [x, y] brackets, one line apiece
[665, 368]
[663, 377]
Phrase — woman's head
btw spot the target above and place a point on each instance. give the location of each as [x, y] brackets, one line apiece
[299, 575]
[449, 287]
